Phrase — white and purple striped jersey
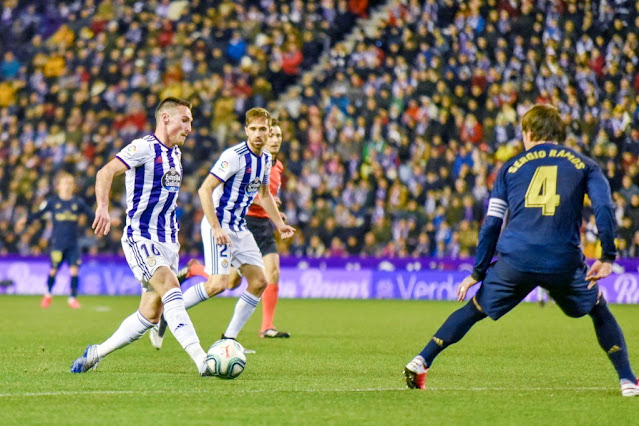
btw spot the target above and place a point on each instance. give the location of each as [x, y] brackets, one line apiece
[152, 183]
[242, 173]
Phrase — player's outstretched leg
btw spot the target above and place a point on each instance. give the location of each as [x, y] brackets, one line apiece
[89, 360]
[452, 331]
[612, 341]
[131, 329]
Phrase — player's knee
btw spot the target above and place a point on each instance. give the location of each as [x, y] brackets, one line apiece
[257, 285]
[474, 310]
[600, 307]
[575, 311]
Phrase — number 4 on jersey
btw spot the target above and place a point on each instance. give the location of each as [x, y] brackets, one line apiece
[542, 190]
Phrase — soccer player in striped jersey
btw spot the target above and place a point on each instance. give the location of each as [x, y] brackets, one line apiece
[153, 178]
[261, 227]
[543, 190]
[241, 172]
[258, 222]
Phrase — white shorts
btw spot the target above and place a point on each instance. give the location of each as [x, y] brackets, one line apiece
[218, 259]
[145, 257]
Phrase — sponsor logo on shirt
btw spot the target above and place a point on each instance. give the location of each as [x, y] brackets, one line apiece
[254, 186]
[172, 180]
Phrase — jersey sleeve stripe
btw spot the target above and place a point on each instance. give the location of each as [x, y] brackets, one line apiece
[123, 162]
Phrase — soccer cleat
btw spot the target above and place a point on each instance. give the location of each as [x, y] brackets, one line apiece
[273, 333]
[73, 303]
[189, 270]
[629, 388]
[89, 360]
[415, 373]
[205, 371]
[156, 334]
[46, 301]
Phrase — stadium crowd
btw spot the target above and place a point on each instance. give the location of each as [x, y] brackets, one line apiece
[390, 151]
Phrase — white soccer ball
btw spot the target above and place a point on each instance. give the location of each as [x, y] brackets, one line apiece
[226, 359]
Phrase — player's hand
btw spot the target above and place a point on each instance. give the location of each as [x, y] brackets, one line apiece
[102, 222]
[221, 237]
[283, 216]
[278, 201]
[468, 282]
[286, 232]
[597, 271]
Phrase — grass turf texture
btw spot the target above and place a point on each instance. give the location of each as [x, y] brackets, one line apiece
[342, 366]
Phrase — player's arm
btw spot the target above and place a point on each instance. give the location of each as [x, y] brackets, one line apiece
[268, 204]
[206, 199]
[84, 208]
[488, 235]
[278, 202]
[599, 193]
[43, 209]
[104, 180]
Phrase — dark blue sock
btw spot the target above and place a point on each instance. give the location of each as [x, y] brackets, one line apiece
[453, 329]
[50, 282]
[611, 339]
[74, 286]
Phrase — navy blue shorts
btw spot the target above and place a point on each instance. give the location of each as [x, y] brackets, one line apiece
[505, 287]
[71, 255]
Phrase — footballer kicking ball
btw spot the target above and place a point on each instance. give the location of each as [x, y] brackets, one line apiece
[226, 359]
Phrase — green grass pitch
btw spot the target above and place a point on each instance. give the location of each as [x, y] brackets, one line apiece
[342, 366]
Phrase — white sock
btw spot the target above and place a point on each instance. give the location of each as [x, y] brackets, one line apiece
[194, 295]
[181, 326]
[244, 308]
[131, 329]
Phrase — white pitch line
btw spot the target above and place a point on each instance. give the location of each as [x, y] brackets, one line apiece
[476, 389]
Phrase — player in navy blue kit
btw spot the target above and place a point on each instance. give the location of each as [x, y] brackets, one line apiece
[65, 210]
[543, 190]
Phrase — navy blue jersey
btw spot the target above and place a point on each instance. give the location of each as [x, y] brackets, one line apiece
[543, 191]
[64, 215]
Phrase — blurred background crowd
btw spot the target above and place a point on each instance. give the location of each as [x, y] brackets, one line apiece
[390, 146]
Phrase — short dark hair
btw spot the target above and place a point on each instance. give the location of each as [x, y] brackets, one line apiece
[274, 122]
[545, 123]
[170, 102]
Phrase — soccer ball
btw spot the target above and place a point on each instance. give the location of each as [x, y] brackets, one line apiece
[226, 359]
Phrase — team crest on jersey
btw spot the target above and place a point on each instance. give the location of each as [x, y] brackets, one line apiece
[151, 261]
[253, 187]
[172, 180]
[225, 263]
